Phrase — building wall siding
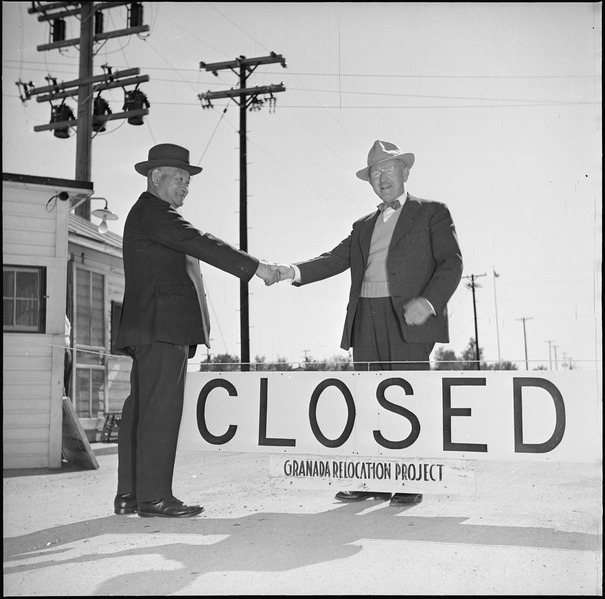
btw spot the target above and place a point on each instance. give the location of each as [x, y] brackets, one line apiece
[34, 233]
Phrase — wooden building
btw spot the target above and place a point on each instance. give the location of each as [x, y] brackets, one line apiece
[56, 264]
[100, 378]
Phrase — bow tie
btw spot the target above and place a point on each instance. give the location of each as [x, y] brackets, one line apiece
[394, 205]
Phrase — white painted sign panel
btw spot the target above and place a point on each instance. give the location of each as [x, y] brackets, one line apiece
[397, 416]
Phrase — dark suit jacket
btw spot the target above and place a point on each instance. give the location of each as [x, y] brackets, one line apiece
[424, 259]
[160, 298]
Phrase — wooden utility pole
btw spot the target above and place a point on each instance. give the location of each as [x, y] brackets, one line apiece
[472, 286]
[84, 130]
[550, 341]
[246, 98]
[525, 340]
[496, 275]
[86, 84]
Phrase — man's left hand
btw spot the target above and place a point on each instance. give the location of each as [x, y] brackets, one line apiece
[417, 311]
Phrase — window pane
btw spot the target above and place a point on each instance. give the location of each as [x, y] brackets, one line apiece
[90, 393]
[98, 393]
[90, 333]
[88, 357]
[97, 320]
[28, 284]
[24, 302]
[83, 393]
[26, 313]
[8, 309]
[8, 283]
[90, 301]
[83, 306]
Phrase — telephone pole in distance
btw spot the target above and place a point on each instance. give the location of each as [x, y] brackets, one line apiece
[472, 286]
[525, 339]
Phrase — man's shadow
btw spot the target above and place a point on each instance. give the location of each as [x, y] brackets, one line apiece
[259, 542]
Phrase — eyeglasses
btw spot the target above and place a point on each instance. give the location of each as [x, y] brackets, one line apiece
[387, 170]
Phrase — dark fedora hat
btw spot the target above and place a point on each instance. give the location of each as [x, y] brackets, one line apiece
[167, 155]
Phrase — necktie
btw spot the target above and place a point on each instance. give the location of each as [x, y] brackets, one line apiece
[384, 205]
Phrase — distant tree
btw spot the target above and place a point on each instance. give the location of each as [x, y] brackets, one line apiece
[282, 364]
[221, 363]
[227, 362]
[312, 364]
[469, 356]
[446, 359]
[261, 364]
[502, 365]
[334, 363]
[341, 363]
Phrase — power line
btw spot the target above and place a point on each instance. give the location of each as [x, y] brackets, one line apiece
[369, 75]
[515, 101]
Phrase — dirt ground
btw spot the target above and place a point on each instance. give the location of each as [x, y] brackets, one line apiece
[529, 529]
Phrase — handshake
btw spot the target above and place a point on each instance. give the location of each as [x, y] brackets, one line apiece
[271, 272]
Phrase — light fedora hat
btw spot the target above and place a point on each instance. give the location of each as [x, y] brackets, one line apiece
[167, 155]
[384, 150]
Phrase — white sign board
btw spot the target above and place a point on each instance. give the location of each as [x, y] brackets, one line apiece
[397, 415]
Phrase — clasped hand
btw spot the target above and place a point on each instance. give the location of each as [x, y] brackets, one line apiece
[271, 272]
[417, 311]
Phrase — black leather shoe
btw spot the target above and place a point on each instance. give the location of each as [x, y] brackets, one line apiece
[360, 495]
[125, 504]
[168, 508]
[406, 498]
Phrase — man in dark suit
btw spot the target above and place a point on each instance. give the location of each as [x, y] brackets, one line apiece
[405, 264]
[164, 317]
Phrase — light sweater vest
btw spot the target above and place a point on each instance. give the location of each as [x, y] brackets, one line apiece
[375, 281]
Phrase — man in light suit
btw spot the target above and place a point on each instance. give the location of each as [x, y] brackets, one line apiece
[164, 317]
[405, 264]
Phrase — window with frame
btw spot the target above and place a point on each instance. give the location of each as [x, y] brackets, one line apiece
[24, 299]
[90, 364]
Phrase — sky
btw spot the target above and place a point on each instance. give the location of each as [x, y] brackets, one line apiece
[499, 102]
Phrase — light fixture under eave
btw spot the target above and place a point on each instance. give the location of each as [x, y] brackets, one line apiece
[104, 214]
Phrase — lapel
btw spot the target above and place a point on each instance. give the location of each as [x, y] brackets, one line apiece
[193, 270]
[410, 215]
[365, 234]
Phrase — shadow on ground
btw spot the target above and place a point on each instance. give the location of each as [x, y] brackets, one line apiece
[262, 542]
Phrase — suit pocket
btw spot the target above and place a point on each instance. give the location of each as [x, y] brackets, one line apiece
[176, 290]
[176, 298]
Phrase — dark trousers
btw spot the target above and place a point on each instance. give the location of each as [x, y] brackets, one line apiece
[378, 343]
[151, 419]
